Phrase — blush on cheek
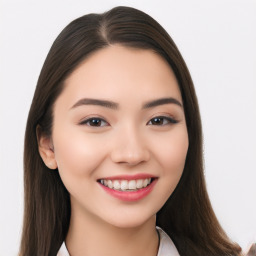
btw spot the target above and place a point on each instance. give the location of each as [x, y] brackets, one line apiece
[76, 156]
[173, 156]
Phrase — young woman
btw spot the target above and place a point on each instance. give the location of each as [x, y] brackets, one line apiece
[113, 147]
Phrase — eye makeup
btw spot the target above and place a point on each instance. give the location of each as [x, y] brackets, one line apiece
[156, 121]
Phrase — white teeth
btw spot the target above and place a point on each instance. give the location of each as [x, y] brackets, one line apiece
[110, 185]
[145, 183]
[132, 184]
[124, 185]
[139, 183]
[116, 184]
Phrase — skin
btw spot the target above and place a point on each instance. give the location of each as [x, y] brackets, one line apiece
[126, 142]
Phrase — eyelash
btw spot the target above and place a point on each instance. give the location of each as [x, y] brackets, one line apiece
[168, 120]
[85, 122]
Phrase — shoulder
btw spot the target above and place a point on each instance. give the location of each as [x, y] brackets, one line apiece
[252, 250]
[166, 245]
[63, 250]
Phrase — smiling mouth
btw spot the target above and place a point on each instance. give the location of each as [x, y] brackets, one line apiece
[126, 185]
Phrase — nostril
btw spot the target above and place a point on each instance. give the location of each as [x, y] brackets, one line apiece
[130, 159]
[130, 150]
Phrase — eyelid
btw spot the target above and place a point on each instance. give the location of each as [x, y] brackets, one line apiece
[88, 119]
[171, 120]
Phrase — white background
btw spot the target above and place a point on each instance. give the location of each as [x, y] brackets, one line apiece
[217, 40]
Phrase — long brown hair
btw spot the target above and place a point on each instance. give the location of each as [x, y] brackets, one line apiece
[187, 217]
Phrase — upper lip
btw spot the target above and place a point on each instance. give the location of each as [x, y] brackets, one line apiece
[129, 177]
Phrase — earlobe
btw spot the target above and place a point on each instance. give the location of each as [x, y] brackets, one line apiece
[45, 148]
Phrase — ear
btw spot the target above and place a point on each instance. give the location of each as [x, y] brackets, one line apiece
[46, 149]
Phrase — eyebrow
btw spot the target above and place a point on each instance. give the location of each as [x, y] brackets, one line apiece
[103, 103]
[161, 101]
[115, 106]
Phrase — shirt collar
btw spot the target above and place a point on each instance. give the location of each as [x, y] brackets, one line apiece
[166, 246]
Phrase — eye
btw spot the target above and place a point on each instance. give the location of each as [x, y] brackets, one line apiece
[95, 122]
[162, 120]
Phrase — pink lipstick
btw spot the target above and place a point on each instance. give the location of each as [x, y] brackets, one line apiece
[128, 187]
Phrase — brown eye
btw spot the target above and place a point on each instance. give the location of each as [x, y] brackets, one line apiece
[162, 120]
[94, 122]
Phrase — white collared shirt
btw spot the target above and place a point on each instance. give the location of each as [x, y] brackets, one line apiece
[166, 246]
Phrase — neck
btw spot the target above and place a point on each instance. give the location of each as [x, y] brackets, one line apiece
[90, 236]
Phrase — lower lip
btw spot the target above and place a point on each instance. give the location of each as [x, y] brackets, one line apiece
[130, 195]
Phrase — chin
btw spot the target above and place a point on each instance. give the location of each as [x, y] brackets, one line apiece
[132, 221]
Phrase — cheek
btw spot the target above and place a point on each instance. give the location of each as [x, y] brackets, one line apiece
[173, 150]
[172, 156]
[77, 154]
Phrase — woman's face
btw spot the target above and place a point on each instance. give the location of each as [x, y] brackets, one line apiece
[120, 121]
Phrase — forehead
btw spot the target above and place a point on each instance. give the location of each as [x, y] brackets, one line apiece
[121, 73]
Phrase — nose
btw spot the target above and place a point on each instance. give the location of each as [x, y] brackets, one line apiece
[130, 148]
